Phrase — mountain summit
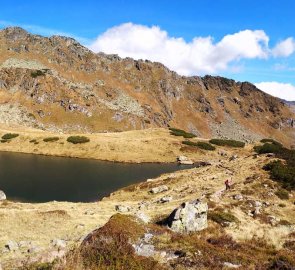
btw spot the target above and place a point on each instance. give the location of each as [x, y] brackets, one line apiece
[57, 84]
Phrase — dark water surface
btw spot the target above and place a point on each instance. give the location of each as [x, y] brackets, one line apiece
[35, 178]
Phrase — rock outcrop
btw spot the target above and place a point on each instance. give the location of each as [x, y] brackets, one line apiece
[188, 217]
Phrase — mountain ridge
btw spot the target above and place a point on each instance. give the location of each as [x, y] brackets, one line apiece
[55, 83]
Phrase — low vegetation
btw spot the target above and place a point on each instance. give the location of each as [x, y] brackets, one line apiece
[270, 141]
[78, 139]
[282, 172]
[9, 136]
[37, 73]
[282, 194]
[51, 139]
[201, 145]
[180, 132]
[231, 143]
[110, 247]
[221, 217]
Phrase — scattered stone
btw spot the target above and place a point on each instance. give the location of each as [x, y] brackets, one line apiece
[146, 250]
[24, 244]
[180, 253]
[231, 265]
[233, 157]
[122, 208]
[189, 217]
[2, 196]
[222, 153]
[159, 189]
[238, 197]
[33, 249]
[12, 246]
[165, 199]
[89, 212]
[142, 216]
[59, 243]
[183, 160]
[273, 220]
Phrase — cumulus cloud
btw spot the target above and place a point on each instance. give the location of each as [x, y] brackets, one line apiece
[284, 48]
[201, 55]
[282, 90]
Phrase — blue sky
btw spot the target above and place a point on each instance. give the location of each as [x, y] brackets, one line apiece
[243, 40]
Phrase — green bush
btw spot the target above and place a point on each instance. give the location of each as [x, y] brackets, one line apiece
[4, 141]
[271, 141]
[222, 218]
[78, 139]
[180, 132]
[51, 139]
[267, 148]
[282, 194]
[9, 136]
[201, 145]
[231, 143]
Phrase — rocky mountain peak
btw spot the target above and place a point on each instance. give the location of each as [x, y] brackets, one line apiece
[15, 33]
[67, 87]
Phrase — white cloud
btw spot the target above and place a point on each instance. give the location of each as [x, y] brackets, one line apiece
[201, 55]
[284, 48]
[282, 90]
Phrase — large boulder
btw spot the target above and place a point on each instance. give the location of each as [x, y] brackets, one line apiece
[183, 160]
[2, 195]
[189, 217]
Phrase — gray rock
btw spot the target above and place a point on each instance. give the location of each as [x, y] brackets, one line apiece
[146, 250]
[233, 157]
[159, 189]
[166, 199]
[122, 208]
[238, 197]
[59, 243]
[184, 160]
[2, 195]
[143, 217]
[231, 265]
[189, 217]
[12, 246]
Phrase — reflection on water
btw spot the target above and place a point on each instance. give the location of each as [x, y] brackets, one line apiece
[34, 178]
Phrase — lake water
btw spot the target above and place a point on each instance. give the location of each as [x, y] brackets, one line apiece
[35, 178]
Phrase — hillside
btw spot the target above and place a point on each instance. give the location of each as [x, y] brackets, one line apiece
[57, 85]
[250, 226]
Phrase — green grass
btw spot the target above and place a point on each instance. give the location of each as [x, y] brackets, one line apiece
[180, 132]
[201, 145]
[231, 143]
[78, 139]
[9, 136]
[51, 139]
